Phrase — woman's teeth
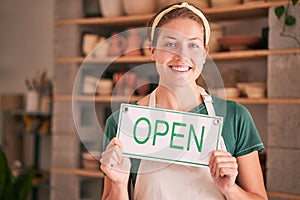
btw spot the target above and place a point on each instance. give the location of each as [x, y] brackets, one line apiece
[180, 69]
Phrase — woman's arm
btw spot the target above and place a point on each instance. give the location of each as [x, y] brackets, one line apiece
[116, 167]
[225, 169]
[112, 191]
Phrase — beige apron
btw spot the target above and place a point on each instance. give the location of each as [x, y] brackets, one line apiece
[173, 181]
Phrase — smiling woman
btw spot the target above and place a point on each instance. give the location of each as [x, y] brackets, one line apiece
[179, 35]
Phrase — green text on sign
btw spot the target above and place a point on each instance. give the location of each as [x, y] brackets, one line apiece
[156, 133]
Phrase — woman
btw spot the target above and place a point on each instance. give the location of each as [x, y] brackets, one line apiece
[179, 36]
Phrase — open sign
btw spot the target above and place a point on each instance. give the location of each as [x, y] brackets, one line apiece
[168, 135]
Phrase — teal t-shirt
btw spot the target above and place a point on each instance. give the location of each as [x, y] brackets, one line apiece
[239, 132]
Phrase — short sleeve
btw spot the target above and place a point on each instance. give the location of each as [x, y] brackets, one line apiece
[110, 130]
[247, 136]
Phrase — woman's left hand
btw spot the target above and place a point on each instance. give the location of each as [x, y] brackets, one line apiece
[223, 169]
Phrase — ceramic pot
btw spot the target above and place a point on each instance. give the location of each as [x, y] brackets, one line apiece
[111, 8]
[105, 86]
[224, 3]
[89, 42]
[134, 7]
[89, 85]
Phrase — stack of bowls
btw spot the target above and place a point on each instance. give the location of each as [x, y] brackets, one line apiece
[252, 89]
[232, 92]
[105, 86]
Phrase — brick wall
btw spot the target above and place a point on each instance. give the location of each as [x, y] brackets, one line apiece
[283, 160]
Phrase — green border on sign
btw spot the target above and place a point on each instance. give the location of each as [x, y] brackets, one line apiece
[170, 111]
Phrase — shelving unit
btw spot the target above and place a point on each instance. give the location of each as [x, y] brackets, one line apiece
[108, 99]
[243, 11]
[42, 177]
[249, 54]
[214, 14]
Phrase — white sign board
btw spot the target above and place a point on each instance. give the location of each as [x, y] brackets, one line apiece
[168, 135]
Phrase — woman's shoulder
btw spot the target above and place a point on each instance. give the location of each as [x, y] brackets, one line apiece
[229, 107]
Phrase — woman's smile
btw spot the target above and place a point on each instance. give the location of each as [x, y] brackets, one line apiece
[180, 68]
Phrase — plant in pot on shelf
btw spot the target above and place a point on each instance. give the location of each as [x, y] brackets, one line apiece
[13, 188]
[289, 19]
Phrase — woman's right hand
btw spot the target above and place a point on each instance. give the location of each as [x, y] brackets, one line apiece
[114, 164]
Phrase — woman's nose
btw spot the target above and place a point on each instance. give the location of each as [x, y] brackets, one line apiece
[181, 53]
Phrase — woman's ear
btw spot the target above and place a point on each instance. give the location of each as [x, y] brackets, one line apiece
[152, 51]
[206, 47]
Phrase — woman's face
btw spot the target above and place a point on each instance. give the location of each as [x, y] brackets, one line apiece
[179, 53]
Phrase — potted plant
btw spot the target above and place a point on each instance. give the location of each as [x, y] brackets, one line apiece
[289, 20]
[14, 188]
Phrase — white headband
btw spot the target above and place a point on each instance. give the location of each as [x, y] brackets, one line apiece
[182, 5]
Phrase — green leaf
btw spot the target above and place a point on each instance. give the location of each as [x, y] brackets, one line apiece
[6, 177]
[294, 2]
[290, 20]
[24, 184]
[279, 11]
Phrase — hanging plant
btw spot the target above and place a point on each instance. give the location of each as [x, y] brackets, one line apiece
[289, 20]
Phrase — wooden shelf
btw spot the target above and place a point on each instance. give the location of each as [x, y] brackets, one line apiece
[267, 101]
[101, 99]
[251, 54]
[108, 99]
[229, 55]
[234, 12]
[242, 11]
[79, 172]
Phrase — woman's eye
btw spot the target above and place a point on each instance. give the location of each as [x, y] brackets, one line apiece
[194, 45]
[170, 44]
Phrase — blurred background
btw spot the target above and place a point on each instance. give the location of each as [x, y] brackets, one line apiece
[254, 44]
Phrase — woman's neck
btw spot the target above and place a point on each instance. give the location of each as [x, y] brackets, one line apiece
[179, 98]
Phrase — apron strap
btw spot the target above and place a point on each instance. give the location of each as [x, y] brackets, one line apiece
[208, 101]
[152, 100]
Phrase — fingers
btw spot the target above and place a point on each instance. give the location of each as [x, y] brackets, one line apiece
[112, 158]
[112, 155]
[117, 141]
[223, 164]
